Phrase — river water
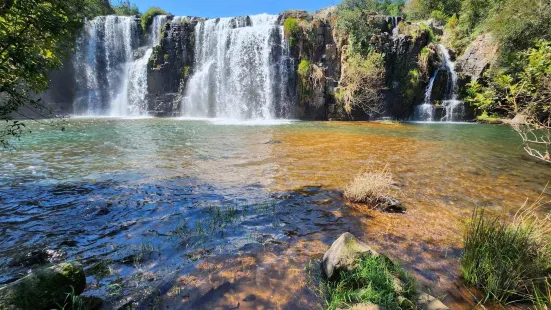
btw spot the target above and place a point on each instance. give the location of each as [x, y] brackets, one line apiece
[213, 215]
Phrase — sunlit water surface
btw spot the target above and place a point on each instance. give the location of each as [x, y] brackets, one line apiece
[213, 214]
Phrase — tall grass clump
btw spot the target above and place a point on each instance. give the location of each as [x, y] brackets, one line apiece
[369, 187]
[510, 261]
[373, 281]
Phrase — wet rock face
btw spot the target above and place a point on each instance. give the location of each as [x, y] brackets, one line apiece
[344, 255]
[169, 68]
[402, 58]
[44, 288]
[478, 57]
[320, 44]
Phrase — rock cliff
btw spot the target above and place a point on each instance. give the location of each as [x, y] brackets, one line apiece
[170, 66]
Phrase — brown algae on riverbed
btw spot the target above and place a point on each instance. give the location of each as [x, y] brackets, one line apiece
[212, 216]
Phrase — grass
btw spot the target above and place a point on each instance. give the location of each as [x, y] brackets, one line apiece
[510, 261]
[369, 187]
[373, 281]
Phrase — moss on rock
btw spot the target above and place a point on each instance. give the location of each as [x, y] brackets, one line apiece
[44, 288]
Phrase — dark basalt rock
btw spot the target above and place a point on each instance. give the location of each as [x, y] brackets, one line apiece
[169, 68]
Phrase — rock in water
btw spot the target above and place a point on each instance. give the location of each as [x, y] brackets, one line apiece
[427, 302]
[44, 288]
[344, 254]
[390, 204]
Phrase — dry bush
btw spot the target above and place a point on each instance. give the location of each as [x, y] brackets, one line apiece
[362, 82]
[370, 187]
[317, 76]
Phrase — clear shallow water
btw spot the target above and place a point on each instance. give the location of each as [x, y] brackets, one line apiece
[188, 208]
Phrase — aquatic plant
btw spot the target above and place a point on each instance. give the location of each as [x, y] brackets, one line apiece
[509, 260]
[369, 187]
[373, 281]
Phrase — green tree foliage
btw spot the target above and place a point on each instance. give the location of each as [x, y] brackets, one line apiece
[353, 18]
[125, 8]
[147, 18]
[35, 37]
[524, 88]
[391, 7]
[424, 9]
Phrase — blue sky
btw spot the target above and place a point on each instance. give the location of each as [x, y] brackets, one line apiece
[226, 8]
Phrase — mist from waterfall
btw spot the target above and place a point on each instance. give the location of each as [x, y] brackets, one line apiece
[111, 67]
[454, 108]
[241, 70]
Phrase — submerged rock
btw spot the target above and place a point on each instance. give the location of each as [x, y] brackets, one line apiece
[390, 204]
[344, 254]
[365, 306]
[427, 302]
[44, 288]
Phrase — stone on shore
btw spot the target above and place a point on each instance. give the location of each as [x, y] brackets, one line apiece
[44, 288]
[344, 255]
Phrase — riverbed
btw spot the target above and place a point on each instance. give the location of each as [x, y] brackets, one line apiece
[210, 214]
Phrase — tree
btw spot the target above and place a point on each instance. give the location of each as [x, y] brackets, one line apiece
[354, 18]
[125, 8]
[530, 91]
[35, 37]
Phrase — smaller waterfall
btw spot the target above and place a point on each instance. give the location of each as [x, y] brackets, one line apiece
[156, 29]
[394, 21]
[111, 67]
[454, 108]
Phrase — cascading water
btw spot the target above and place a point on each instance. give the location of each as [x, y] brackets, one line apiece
[453, 107]
[242, 67]
[111, 68]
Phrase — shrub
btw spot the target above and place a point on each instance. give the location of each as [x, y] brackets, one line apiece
[147, 18]
[303, 68]
[438, 16]
[362, 82]
[509, 261]
[291, 30]
[369, 187]
[423, 61]
[371, 282]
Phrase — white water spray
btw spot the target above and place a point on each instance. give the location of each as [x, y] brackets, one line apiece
[111, 68]
[454, 108]
[241, 70]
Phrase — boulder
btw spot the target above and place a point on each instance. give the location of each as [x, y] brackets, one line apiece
[478, 56]
[44, 288]
[344, 255]
[427, 302]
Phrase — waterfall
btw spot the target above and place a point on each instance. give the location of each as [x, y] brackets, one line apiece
[453, 107]
[241, 70]
[111, 67]
[156, 28]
